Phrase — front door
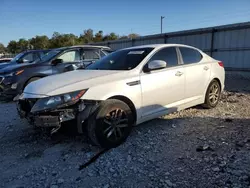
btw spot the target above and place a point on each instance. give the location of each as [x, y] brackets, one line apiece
[161, 89]
[70, 61]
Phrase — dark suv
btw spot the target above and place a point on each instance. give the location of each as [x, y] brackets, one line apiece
[25, 57]
[13, 79]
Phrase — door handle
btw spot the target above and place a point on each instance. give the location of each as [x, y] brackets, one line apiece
[178, 73]
[205, 68]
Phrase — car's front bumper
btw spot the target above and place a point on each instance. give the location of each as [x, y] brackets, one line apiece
[8, 90]
[54, 118]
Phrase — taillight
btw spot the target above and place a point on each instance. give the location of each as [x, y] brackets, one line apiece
[221, 64]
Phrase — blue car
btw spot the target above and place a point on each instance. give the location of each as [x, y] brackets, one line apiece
[24, 57]
[15, 77]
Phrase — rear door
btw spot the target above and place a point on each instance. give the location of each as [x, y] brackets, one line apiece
[197, 71]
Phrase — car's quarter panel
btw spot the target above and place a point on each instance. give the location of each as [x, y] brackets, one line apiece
[197, 78]
[161, 88]
[217, 72]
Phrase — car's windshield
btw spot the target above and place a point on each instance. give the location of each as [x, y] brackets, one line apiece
[17, 57]
[48, 56]
[121, 60]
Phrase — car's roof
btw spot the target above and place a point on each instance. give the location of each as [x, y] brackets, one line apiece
[158, 46]
[35, 51]
[84, 46]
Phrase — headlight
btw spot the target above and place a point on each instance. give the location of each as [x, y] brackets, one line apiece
[58, 101]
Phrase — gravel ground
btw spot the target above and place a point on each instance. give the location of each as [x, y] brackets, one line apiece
[191, 148]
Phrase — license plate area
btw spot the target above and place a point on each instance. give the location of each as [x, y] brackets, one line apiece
[47, 121]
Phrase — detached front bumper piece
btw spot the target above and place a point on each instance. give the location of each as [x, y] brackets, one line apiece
[55, 117]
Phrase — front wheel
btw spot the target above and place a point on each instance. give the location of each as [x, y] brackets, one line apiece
[111, 124]
[212, 95]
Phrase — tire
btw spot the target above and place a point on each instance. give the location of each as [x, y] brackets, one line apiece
[111, 124]
[212, 95]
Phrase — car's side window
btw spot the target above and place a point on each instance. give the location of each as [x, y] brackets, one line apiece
[90, 55]
[71, 56]
[28, 58]
[35, 56]
[168, 55]
[190, 55]
[42, 53]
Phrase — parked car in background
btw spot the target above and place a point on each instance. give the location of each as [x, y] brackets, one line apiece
[13, 79]
[5, 60]
[127, 87]
[24, 57]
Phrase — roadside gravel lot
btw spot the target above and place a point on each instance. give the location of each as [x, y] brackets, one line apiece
[191, 148]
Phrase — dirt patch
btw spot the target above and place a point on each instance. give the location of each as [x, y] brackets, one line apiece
[192, 148]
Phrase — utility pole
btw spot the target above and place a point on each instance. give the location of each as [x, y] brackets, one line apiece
[162, 17]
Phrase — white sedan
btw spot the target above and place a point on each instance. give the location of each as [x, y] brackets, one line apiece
[125, 88]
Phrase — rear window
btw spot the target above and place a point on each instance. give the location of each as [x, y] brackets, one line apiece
[90, 54]
[190, 55]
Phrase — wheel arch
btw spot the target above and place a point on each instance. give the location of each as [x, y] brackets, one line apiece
[218, 80]
[26, 82]
[128, 102]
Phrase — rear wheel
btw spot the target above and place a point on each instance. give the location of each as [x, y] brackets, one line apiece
[111, 124]
[212, 95]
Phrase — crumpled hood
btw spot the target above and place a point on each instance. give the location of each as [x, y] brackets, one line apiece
[86, 78]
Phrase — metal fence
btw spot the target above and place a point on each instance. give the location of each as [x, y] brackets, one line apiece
[228, 43]
[7, 55]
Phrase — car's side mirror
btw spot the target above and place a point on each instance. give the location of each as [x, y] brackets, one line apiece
[155, 65]
[56, 61]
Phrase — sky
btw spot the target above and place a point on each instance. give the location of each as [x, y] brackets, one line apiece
[28, 18]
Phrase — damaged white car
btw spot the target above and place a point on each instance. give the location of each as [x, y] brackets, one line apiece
[125, 88]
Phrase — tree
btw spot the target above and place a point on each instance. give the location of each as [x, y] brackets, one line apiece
[111, 36]
[60, 40]
[12, 47]
[39, 42]
[133, 35]
[2, 48]
[54, 41]
[98, 36]
[22, 45]
[86, 37]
